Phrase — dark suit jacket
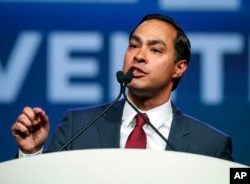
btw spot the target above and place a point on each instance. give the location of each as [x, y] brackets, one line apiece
[186, 134]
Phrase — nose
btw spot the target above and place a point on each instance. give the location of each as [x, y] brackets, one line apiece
[140, 56]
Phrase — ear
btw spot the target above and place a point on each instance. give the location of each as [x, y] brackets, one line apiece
[180, 68]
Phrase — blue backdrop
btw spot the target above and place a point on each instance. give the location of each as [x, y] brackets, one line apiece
[64, 54]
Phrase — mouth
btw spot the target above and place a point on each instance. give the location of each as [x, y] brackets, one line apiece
[137, 72]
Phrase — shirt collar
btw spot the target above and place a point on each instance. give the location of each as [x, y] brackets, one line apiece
[157, 116]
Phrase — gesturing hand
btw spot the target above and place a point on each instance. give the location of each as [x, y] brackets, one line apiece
[31, 129]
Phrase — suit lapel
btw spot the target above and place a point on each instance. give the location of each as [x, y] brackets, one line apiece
[179, 132]
[109, 130]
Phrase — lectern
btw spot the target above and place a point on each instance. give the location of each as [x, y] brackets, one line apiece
[117, 166]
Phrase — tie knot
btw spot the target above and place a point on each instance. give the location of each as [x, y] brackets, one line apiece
[139, 119]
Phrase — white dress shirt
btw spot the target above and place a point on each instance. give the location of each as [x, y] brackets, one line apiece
[160, 117]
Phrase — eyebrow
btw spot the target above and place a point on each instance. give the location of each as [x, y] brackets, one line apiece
[150, 42]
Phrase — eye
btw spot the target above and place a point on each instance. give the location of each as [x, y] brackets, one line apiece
[155, 50]
[133, 45]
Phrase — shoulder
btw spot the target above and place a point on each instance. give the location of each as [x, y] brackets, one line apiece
[199, 127]
[199, 136]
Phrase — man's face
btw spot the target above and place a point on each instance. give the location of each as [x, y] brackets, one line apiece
[150, 56]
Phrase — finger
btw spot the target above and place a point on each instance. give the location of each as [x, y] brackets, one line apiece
[43, 118]
[19, 129]
[24, 120]
[37, 110]
[28, 111]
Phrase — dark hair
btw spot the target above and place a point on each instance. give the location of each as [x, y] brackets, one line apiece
[181, 43]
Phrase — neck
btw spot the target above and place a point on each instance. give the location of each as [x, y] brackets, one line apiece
[146, 103]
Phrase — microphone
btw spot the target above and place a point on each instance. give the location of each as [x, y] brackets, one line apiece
[127, 78]
[123, 80]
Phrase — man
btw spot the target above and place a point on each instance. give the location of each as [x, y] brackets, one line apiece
[158, 55]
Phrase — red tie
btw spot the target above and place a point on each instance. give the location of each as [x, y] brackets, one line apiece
[137, 138]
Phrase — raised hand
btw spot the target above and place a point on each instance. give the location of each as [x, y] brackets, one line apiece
[31, 129]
